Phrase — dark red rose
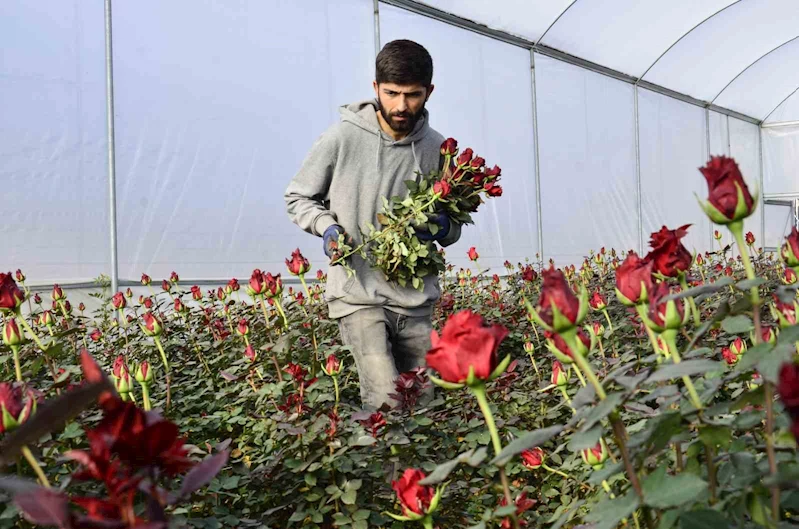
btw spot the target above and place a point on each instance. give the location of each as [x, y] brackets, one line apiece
[174, 277]
[449, 147]
[15, 406]
[788, 387]
[560, 343]
[533, 458]
[668, 255]
[145, 279]
[598, 301]
[723, 181]
[523, 503]
[298, 265]
[493, 173]
[478, 162]
[465, 157]
[493, 189]
[632, 276]
[412, 496]
[442, 188]
[11, 296]
[529, 274]
[750, 238]
[465, 342]
[196, 293]
[119, 301]
[658, 307]
[790, 250]
[557, 292]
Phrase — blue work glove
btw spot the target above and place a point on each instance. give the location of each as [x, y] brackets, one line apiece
[330, 241]
[439, 219]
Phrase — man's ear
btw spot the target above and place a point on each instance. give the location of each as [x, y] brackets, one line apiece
[374, 85]
[429, 92]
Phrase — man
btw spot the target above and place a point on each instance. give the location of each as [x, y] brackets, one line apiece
[377, 145]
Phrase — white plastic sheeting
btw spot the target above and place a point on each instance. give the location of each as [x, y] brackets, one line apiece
[215, 118]
[780, 159]
[52, 140]
[489, 110]
[586, 127]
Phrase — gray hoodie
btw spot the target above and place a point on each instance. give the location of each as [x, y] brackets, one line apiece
[341, 180]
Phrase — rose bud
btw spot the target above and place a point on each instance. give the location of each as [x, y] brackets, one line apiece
[12, 336]
[243, 328]
[598, 329]
[717, 235]
[665, 315]
[449, 147]
[493, 174]
[528, 347]
[493, 189]
[144, 373]
[37, 299]
[148, 303]
[96, 335]
[477, 162]
[121, 377]
[256, 285]
[119, 301]
[729, 199]
[597, 455]
[466, 351]
[789, 276]
[529, 274]
[129, 318]
[81, 306]
[47, 318]
[790, 250]
[533, 458]
[598, 301]
[750, 238]
[57, 294]
[20, 276]
[558, 309]
[14, 410]
[173, 277]
[465, 158]
[196, 293]
[768, 335]
[786, 312]
[180, 308]
[67, 306]
[249, 353]
[472, 253]
[669, 257]
[442, 188]
[166, 286]
[234, 284]
[145, 280]
[152, 325]
[730, 357]
[273, 285]
[332, 366]
[788, 388]
[699, 260]
[321, 276]
[634, 280]
[560, 376]
[11, 297]
[298, 265]
[416, 500]
[558, 346]
[738, 346]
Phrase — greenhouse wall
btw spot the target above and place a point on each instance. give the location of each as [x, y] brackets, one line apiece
[215, 113]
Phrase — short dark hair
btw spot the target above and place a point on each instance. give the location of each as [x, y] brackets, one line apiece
[404, 62]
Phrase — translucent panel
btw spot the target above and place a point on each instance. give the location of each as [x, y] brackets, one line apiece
[528, 19]
[781, 159]
[492, 113]
[719, 134]
[672, 149]
[602, 32]
[586, 130]
[744, 147]
[765, 84]
[708, 58]
[788, 110]
[216, 116]
[52, 140]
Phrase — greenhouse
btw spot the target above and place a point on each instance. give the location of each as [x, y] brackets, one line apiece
[606, 254]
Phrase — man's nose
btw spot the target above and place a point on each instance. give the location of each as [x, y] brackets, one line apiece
[402, 105]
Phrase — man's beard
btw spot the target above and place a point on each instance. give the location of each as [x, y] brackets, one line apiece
[400, 126]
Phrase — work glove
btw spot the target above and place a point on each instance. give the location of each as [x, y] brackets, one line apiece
[330, 241]
[439, 219]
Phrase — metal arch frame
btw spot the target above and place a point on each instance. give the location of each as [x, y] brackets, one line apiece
[752, 64]
[557, 18]
[779, 105]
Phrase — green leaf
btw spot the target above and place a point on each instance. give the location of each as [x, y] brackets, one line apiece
[769, 365]
[440, 473]
[716, 436]
[704, 289]
[752, 357]
[598, 476]
[668, 519]
[583, 440]
[608, 513]
[688, 367]
[528, 440]
[788, 335]
[747, 284]
[603, 409]
[739, 324]
[663, 491]
[349, 497]
[703, 519]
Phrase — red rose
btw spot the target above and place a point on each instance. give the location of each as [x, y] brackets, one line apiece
[790, 250]
[493, 189]
[788, 387]
[466, 342]
[152, 325]
[145, 279]
[332, 365]
[528, 273]
[465, 157]
[493, 173]
[668, 255]
[20, 276]
[298, 265]
[598, 301]
[96, 335]
[243, 328]
[477, 162]
[634, 279]
[750, 238]
[413, 497]
[523, 503]
[533, 458]
[725, 182]
[166, 286]
[449, 147]
[273, 284]
[730, 357]
[472, 253]
[11, 296]
[556, 292]
[789, 276]
[659, 311]
[174, 277]
[13, 410]
[442, 188]
[119, 301]
[250, 353]
[558, 344]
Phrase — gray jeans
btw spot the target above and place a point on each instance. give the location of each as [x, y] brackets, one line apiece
[384, 344]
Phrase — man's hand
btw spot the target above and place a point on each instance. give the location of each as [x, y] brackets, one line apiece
[330, 241]
[439, 219]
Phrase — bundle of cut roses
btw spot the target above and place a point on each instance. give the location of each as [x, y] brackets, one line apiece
[402, 248]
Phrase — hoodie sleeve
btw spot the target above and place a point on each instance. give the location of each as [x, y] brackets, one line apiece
[306, 194]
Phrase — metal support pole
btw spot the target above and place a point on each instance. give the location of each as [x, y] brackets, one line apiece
[538, 211]
[109, 100]
[762, 189]
[729, 145]
[377, 26]
[639, 196]
[707, 158]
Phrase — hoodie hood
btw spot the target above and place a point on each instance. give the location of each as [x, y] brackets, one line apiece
[363, 114]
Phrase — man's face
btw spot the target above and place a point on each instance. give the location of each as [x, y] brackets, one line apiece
[401, 105]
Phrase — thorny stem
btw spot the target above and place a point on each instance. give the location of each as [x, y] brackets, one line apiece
[145, 394]
[607, 317]
[166, 367]
[691, 302]
[558, 472]
[670, 337]
[480, 394]
[711, 472]
[17, 367]
[35, 465]
[21, 319]
[641, 309]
